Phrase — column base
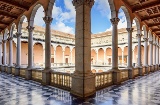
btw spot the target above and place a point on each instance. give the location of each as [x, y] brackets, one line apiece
[146, 69]
[46, 76]
[130, 73]
[83, 86]
[140, 71]
[17, 71]
[116, 76]
[9, 69]
[28, 74]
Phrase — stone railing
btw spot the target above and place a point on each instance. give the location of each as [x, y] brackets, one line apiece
[124, 74]
[22, 72]
[136, 72]
[37, 75]
[62, 64]
[13, 70]
[103, 79]
[61, 80]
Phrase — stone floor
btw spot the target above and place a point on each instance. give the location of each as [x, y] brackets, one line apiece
[141, 91]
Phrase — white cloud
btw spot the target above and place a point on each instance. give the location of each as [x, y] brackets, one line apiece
[103, 7]
[63, 17]
[38, 20]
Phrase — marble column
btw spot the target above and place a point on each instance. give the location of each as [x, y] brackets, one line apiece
[145, 51]
[46, 76]
[139, 55]
[133, 56]
[71, 56]
[4, 52]
[9, 69]
[122, 56]
[114, 22]
[116, 73]
[0, 53]
[10, 52]
[151, 54]
[18, 55]
[54, 56]
[28, 74]
[130, 30]
[146, 54]
[154, 53]
[104, 57]
[139, 50]
[83, 80]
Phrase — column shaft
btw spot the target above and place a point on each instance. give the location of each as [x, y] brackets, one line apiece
[0, 53]
[18, 56]
[10, 52]
[151, 52]
[114, 22]
[4, 52]
[30, 47]
[139, 50]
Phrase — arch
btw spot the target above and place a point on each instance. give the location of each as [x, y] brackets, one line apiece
[12, 29]
[137, 25]
[150, 35]
[145, 31]
[50, 8]
[34, 11]
[20, 23]
[125, 10]
[100, 55]
[112, 8]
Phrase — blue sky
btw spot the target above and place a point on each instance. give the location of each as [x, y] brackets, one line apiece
[64, 17]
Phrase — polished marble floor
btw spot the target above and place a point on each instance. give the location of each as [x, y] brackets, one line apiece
[141, 91]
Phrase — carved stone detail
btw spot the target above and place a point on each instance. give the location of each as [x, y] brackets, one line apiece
[114, 21]
[130, 29]
[48, 20]
[78, 3]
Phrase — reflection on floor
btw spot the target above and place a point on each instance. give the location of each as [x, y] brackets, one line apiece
[141, 91]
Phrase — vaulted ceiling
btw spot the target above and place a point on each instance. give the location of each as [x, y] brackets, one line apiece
[148, 11]
[12, 9]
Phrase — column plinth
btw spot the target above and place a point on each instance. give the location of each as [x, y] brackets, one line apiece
[83, 80]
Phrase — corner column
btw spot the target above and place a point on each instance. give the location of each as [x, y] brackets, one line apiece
[0, 56]
[30, 53]
[46, 75]
[116, 78]
[83, 80]
[130, 67]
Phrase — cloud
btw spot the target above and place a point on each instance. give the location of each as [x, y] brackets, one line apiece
[38, 20]
[103, 7]
[63, 17]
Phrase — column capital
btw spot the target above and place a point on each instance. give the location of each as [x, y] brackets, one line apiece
[155, 43]
[139, 35]
[78, 3]
[130, 29]
[30, 28]
[150, 42]
[10, 38]
[4, 41]
[18, 34]
[145, 39]
[114, 20]
[48, 20]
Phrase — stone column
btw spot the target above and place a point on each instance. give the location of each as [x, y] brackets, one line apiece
[146, 54]
[154, 53]
[0, 53]
[133, 56]
[18, 55]
[54, 56]
[139, 55]
[83, 80]
[30, 53]
[104, 57]
[46, 76]
[43, 56]
[114, 22]
[9, 69]
[123, 56]
[4, 52]
[130, 30]
[116, 72]
[151, 54]
[71, 56]
[10, 51]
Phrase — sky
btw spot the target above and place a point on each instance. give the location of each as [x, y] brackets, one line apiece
[64, 17]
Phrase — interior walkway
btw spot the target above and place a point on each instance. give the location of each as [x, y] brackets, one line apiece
[141, 91]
